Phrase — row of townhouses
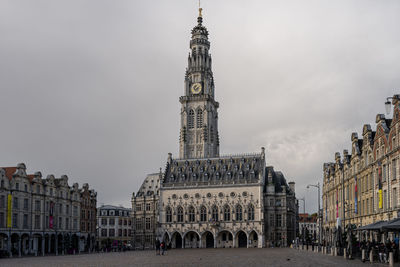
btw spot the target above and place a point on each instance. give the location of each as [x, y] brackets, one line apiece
[114, 227]
[41, 216]
[362, 187]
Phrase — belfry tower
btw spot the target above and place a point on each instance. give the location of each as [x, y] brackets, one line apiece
[199, 116]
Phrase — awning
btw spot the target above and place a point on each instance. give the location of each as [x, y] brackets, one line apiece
[382, 225]
[392, 225]
[373, 226]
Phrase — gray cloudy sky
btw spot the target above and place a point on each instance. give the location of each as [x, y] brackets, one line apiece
[90, 88]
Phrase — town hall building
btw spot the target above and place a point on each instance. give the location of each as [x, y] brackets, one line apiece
[203, 199]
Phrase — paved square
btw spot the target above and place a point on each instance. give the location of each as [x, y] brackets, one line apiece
[191, 257]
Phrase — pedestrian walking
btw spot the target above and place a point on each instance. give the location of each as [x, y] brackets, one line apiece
[158, 244]
[162, 248]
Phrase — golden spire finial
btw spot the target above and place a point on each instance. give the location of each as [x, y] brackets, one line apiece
[200, 9]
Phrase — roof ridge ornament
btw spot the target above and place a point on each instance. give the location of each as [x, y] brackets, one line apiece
[200, 9]
[200, 17]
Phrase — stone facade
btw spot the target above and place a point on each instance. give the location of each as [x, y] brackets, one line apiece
[88, 217]
[115, 227]
[363, 187]
[203, 199]
[145, 212]
[39, 216]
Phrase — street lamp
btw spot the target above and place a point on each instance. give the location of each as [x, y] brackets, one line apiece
[319, 210]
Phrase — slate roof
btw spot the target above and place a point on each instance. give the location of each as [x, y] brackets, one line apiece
[229, 169]
[278, 179]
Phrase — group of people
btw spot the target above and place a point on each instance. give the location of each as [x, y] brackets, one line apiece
[382, 250]
[161, 247]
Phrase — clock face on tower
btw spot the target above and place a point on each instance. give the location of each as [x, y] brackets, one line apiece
[196, 88]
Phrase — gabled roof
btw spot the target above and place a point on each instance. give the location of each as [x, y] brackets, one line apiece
[9, 171]
[31, 177]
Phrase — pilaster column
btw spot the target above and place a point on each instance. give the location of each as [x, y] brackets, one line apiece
[19, 246]
[261, 241]
[43, 245]
[215, 242]
[49, 244]
[56, 245]
[9, 245]
[30, 245]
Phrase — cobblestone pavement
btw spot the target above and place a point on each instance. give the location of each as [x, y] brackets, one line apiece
[192, 257]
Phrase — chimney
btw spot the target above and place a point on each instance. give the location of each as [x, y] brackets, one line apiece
[291, 186]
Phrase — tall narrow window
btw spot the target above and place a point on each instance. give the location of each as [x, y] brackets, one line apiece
[239, 213]
[215, 213]
[211, 134]
[179, 214]
[203, 214]
[227, 213]
[191, 214]
[168, 215]
[191, 119]
[250, 213]
[199, 123]
[394, 197]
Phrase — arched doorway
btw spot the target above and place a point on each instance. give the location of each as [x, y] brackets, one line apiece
[74, 243]
[242, 239]
[60, 243]
[166, 240]
[67, 244]
[208, 240]
[25, 244]
[53, 244]
[253, 239]
[191, 240]
[3, 241]
[224, 239]
[177, 240]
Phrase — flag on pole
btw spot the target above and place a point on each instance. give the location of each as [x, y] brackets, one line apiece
[355, 196]
[380, 185]
[326, 208]
[9, 210]
[337, 205]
